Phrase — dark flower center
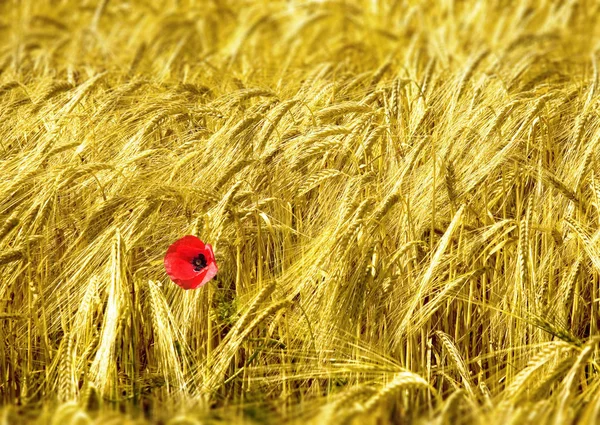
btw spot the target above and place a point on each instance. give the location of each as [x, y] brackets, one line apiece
[199, 262]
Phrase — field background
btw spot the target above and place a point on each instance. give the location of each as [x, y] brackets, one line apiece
[403, 197]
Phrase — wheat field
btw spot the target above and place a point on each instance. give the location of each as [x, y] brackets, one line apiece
[403, 198]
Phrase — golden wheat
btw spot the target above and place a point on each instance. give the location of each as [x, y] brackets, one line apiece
[402, 198]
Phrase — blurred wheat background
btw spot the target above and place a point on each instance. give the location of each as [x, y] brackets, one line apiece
[403, 196]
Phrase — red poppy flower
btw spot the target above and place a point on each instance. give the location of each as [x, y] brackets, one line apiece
[190, 263]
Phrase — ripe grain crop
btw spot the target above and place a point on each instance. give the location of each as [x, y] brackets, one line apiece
[402, 197]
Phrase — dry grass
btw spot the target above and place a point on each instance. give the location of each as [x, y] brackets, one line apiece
[403, 197]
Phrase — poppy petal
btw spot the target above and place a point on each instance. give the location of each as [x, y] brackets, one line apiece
[180, 262]
[211, 272]
[209, 254]
[179, 268]
[205, 275]
[187, 247]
